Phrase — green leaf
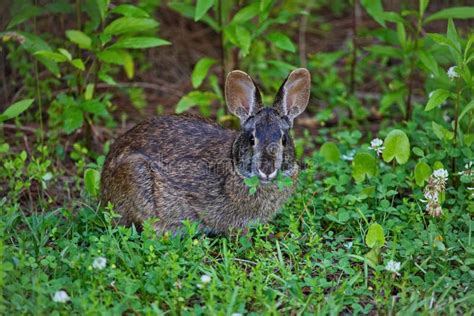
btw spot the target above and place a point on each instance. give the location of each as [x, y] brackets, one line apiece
[246, 13]
[92, 182]
[401, 34]
[202, 6]
[200, 71]
[281, 41]
[56, 57]
[436, 99]
[363, 165]
[375, 236]
[422, 173]
[94, 107]
[429, 62]
[422, 6]
[73, 119]
[65, 53]
[4, 148]
[454, 13]
[89, 91]
[78, 64]
[128, 24]
[441, 132]
[443, 40]
[194, 98]
[139, 42]
[330, 152]
[118, 57]
[130, 11]
[16, 109]
[452, 34]
[466, 110]
[374, 9]
[79, 38]
[397, 145]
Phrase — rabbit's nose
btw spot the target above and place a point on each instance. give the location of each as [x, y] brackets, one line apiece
[267, 177]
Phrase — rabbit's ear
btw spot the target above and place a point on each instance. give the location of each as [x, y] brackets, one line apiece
[241, 95]
[293, 96]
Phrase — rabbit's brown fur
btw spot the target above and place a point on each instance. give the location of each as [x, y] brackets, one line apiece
[182, 167]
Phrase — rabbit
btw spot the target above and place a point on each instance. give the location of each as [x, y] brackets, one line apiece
[182, 167]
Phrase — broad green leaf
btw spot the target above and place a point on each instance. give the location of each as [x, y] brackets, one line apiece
[202, 6]
[16, 109]
[422, 173]
[92, 182]
[73, 119]
[373, 257]
[78, 64]
[375, 236]
[441, 132]
[281, 41]
[453, 13]
[246, 13]
[194, 98]
[139, 42]
[330, 152]
[56, 57]
[79, 38]
[429, 62]
[200, 71]
[188, 10]
[397, 145]
[128, 24]
[436, 99]
[118, 57]
[89, 93]
[375, 9]
[363, 165]
[443, 40]
[130, 11]
[4, 148]
[94, 107]
[65, 53]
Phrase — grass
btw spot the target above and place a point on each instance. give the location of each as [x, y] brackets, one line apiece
[312, 258]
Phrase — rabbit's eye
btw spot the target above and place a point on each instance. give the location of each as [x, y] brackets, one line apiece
[252, 140]
[284, 140]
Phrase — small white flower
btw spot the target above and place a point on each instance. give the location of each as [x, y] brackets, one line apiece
[376, 145]
[205, 278]
[393, 266]
[441, 174]
[468, 165]
[348, 245]
[452, 73]
[431, 196]
[99, 263]
[61, 297]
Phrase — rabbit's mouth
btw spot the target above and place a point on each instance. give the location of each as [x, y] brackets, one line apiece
[267, 178]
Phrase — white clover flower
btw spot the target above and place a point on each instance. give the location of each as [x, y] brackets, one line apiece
[431, 196]
[377, 145]
[205, 278]
[61, 297]
[393, 266]
[99, 263]
[452, 73]
[441, 174]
